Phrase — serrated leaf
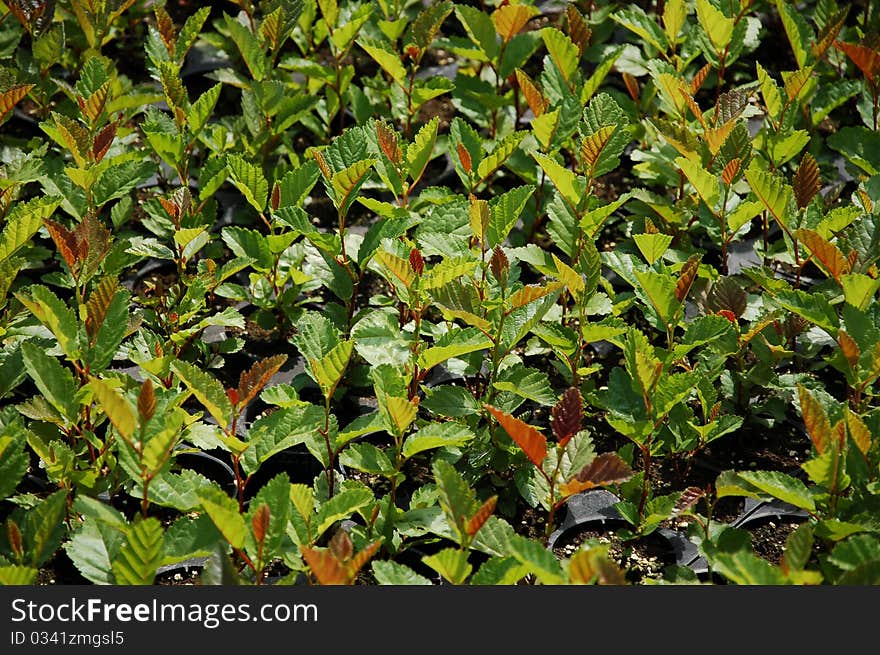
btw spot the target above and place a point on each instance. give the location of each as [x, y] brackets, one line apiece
[389, 61]
[436, 435]
[345, 183]
[502, 151]
[532, 94]
[567, 415]
[453, 344]
[223, 511]
[388, 572]
[54, 314]
[206, 388]
[562, 51]
[140, 554]
[815, 419]
[116, 407]
[451, 563]
[718, 27]
[652, 246]
[605, 469]
[53, 380]
[249, 179]
[329, 370]
[526, 436]
[201, 110]
[11, 97]
[772, 191]
[44, 527]
[565, 181]
[14, 458]
[24, 221]
[341, 506]
[758, 484]
[704, 182]
[660, 291]
[825, 254]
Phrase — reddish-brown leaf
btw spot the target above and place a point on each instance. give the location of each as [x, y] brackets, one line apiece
[686, 277]
[499, 263]
[824, 252]
[829, 33]
[146, 404]
[465, 158]
[632, 86]
[388, 142]
[578, 30]
[728, 175]
[165, 27]
[93, 106]
[170, 207]
[815, 420]
[322, 164]
[15, 540]
[593, 145]
[325, 567]
[567, 415]
[416, 261]
[715, 410]
[526, 436]
[699, 78]
[341, 545]
[510, 19]
[65, 241]
[849, 348]
[260, 522]
[534, 98]
[806, 183]
[275, 198]
[103, 140]
[361, 558]
[98, 304]
[481, 516]
[11, 97]
[605, 469]
[693, 106]
[866, 58]
[687, 499]
[252, 381]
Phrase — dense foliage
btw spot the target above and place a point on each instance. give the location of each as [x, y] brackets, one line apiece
[367, 292]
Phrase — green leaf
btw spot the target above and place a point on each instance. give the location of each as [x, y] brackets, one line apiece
[436, 435]
[759, 484]
[249, 179]
[502, 151]
[119, 179]
[329, 370]
[389, 61]
[506, 209]
[206, 388]
[379, 339]
[859, 145]
[223, 511]
[278, 431]
[24, 221]
[772, 191]
[201, 109]
[44, 528]
[480, 29]
[859, 289]
[14, 459]
[566, 182]
[745, 568]
[341, 506]
[367, 458]
[275, 494]
[660, 291]
[120, 412]
[652, 246]
[541, 562]
[140, 554]
[419, 153]
[296, 184]
[718, 27]
[346, 183]
[249, 46]
[249, 244]
[53, 380]
[812, 306]
[111, 333]
[17, 575]
[54, 314]
[388, 572]
[703, 181]
[446, 400]
[527, 383]
[457, 499]
[451, 563]
[453, 344]
[636, 20]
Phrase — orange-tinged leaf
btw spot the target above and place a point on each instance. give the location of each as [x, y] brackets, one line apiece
[826, 254]
[591, 566]
[65, 241]
[499, 264]
[388, 142]
[716, 136]
[795, 82]
[866, 58]
[252, 381]
[532, 292]
[510, 19]
[325, 567]
[605, 469]
[578, 30]
[829, 33]
[567, 415]
[526, 436]
[593, 145]
[534, 98]
[815, 420]
[728, 175]
[416, 261]
[806, 183]
[97, 305]
[481, 516]
[93, 106]
[165, 27]
[11, 97]
[357, 562]
[692, 105]
[146, 404]
[103, 140]
[632, 86]
[686, 277]
[260, 522]
[397, 266]
[464, 157]
[849, 348]
[326, 171]
[171, 207]
[699, 78]
[859, 432]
